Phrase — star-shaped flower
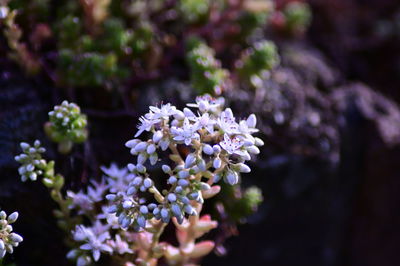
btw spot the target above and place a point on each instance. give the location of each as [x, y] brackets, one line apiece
[232, 145]
[207, 103]
[227, 123]
[146, 123]
[165, 111]
[186, 133]
[205, 121]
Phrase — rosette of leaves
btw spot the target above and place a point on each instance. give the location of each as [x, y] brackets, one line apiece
[66, 126]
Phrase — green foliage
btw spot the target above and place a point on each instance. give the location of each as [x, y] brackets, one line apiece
[142, 38]
[257, 60]
[194, 10]
[298, 16]
[69, 30]
[87, 69]
[241, 204]
[207, 75]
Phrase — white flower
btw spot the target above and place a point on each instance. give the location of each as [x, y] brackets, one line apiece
[207, 103]
[118, 178]
[146, 124]
[227, 123]
[114, 171]
[120, 246]
[165, 111]
[187, 133]
[206, 122]
[111, 218]
[95, 240]
[81, 200]
[245, 129]
[232, 145]
[97, 190]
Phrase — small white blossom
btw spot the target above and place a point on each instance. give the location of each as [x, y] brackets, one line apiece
[165, 111]
[146, 125]
[205, 121]
[120, 246]
[80, 200]
[232, 145]
[187, 133]
[95, 241]
[227, 123]
[207, 103]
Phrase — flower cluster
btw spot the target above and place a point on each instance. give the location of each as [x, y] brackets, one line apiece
[257, 61]
[216, 146]
[92, 239]
[8, 239]
[31, 160]
[116, 216]
[207, 75]
[66, 126]
[104, 234]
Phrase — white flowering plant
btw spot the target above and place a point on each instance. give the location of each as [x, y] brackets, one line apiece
[125, 214]
[8, 239]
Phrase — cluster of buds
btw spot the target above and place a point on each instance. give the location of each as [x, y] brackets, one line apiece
[256, 62]
[31, 159]
[66, 126]
[207, 75]
[216, 146]
[8, 239]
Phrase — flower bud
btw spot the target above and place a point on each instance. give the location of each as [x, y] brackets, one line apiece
[141, 146]
[183, 174]
[12, 217]
[207, 149]
[166, 169]
[251, 121]
[253, 149]
[127, 204]
[132, 143]
[258, 142]
[217, 163]
[16, 238]
[183, 182]
[171, 197]
[111, 197]
[143, 209]
[176, 210]
[190, 160]
[231, 178]
[172, 180]
[147, 182]
[157, 136]
[131, 190]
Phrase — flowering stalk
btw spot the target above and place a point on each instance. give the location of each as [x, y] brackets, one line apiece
[8, 239]
[34, 166]
[66, 126]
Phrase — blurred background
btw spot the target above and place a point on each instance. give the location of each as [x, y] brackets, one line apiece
[328, 113]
